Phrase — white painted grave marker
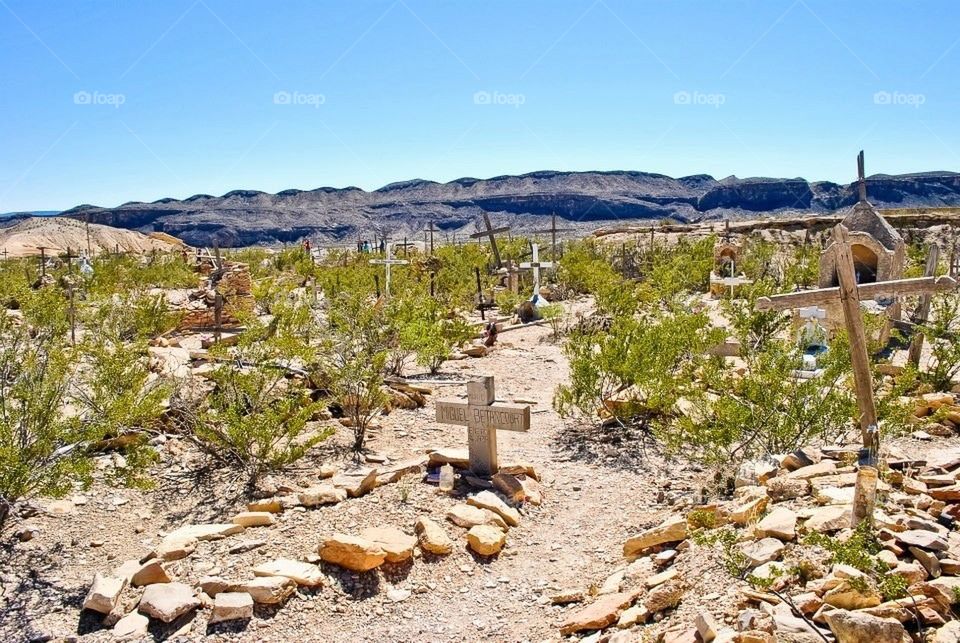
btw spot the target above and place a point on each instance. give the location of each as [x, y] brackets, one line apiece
[536, 265]
[388, 261]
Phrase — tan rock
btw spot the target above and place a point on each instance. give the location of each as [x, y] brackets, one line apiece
[661, 578]
[271, 505]
[104, 593]
[356, 484]
[319, 495]
[922, 539]
[300, 572]
[458, 458]
[829, 518]
[206, 532]
[566, 596]
[149, 573]
[468, 516]
[854, 627]
[783, 488]
[521, 469]
[175, 548]
[398, 545]
[949, 633]
[750, 505]
[510, 486]
[664, 596]
[253, 519]
[833, 495]
[823, 468]
[706, 626]
[490, 501]
[807, 603]
[781, 523]
[351, 552]
[633, 616]
[673, 530]
[762, 551]
[168, 601]
[432, 537]
[231, 606]
[846, 596]
[532, 490]
[486, 540]
[213, 585]
[133, 626]
[267, 590]
[598, 615]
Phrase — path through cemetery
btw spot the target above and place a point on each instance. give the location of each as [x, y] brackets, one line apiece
[593, 501]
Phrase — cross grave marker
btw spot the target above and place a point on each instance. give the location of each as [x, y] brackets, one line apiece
[483, 418]
[490, 233]
[536, 265]
[388, 261]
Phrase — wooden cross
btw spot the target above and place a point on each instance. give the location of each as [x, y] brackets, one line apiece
[483, 304]
[388, 261]
[70, 257]
[43, 261]
[553, 230]
[536, 265]
[483, 418]
[850, 294]
[923, 308]
[491, 233]
[430, 230]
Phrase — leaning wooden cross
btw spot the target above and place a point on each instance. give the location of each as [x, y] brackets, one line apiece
[850, 294]
[553, 230]
[483, 418]
[389, 261]
[490, 233]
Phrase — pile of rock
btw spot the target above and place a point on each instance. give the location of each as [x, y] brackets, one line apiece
[487, 518]
[232, 281]
[795, 590]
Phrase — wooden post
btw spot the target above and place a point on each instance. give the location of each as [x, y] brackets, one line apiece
[217, 315]
[923, 307]
[73, 318]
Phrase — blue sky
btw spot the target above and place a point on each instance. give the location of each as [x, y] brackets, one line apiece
[104, 102]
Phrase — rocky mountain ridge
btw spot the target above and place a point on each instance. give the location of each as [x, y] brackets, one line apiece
[587, 199]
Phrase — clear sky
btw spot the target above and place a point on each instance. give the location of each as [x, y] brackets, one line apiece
[104, 102]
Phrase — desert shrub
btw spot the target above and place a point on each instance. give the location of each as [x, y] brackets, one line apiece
[802, 269]
[41, 449]
[682, 268]
[754, 328]
[941, 333]
[553, 314]
[423, 327]
[120, 273]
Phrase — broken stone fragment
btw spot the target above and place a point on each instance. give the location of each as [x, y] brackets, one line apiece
[783, 488]
[923, 539]
[510, 486]
[149, 573]
[468, 516]
[780, 523]
[299, 572]
[745, 511]
[433, 538]
[856, 627]
[133, 626]
[847, 595]
[458, 458]
[267, 590]
[351, 552]
[598, 615]
[175, 548]
[762, 551]
[664, 596]
[324, 494]
[489, 500]
[398, 545]
[231, 606]
[253, 519]
[486, 540]
[706, 626]
[213, 585]
[271, 505]
[829, 518]
[168, 601]
[356, 484]
[104, 593]
[673, 530]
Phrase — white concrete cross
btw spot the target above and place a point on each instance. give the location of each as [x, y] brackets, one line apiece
[812, 312]
[536, 264]
[483, 418]
[388, 261]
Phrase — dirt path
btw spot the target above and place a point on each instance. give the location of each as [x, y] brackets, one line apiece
[572, 541]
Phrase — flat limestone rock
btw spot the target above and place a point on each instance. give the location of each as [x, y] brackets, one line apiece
[267, 590]
[763, 551]
[175, 548]
[231, 606]
[432, 537]
[823, 468]
[491, 501]
[298, 571]
[664, 596]
[205, 532]
[398, 545]
[271, 505]
[468, 516]
[358, 484]
[253, 519]
[855, 627]
[104, 593]
[923, 539]
[783, 488]
[834, 495]
[149, 573]
[353, 553]
[323, 494]
[846, 596]
[780, 523]
[168, 601]
[829, 518]
[458, 458]
[673, 530]
[598, 615]
[486, 540]
[133, 626]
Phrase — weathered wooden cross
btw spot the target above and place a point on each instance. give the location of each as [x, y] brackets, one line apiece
[536, 265]
[491, 233]
[483, 418]
[553, 230]
[850, 293]
[923, 307]
[388, 261]
[429, 231]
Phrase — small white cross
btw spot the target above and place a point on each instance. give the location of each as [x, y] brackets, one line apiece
[388, 261]
[536, 264]
[812, 312]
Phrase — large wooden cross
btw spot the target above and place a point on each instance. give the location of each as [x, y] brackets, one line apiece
[491, 233]
[850, 293]
[388, 261]
[483, 418]
[553, 230]
[536, 265]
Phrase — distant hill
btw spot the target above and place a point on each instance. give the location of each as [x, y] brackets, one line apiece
[24, 238]
[585, 199]
[30, 213]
